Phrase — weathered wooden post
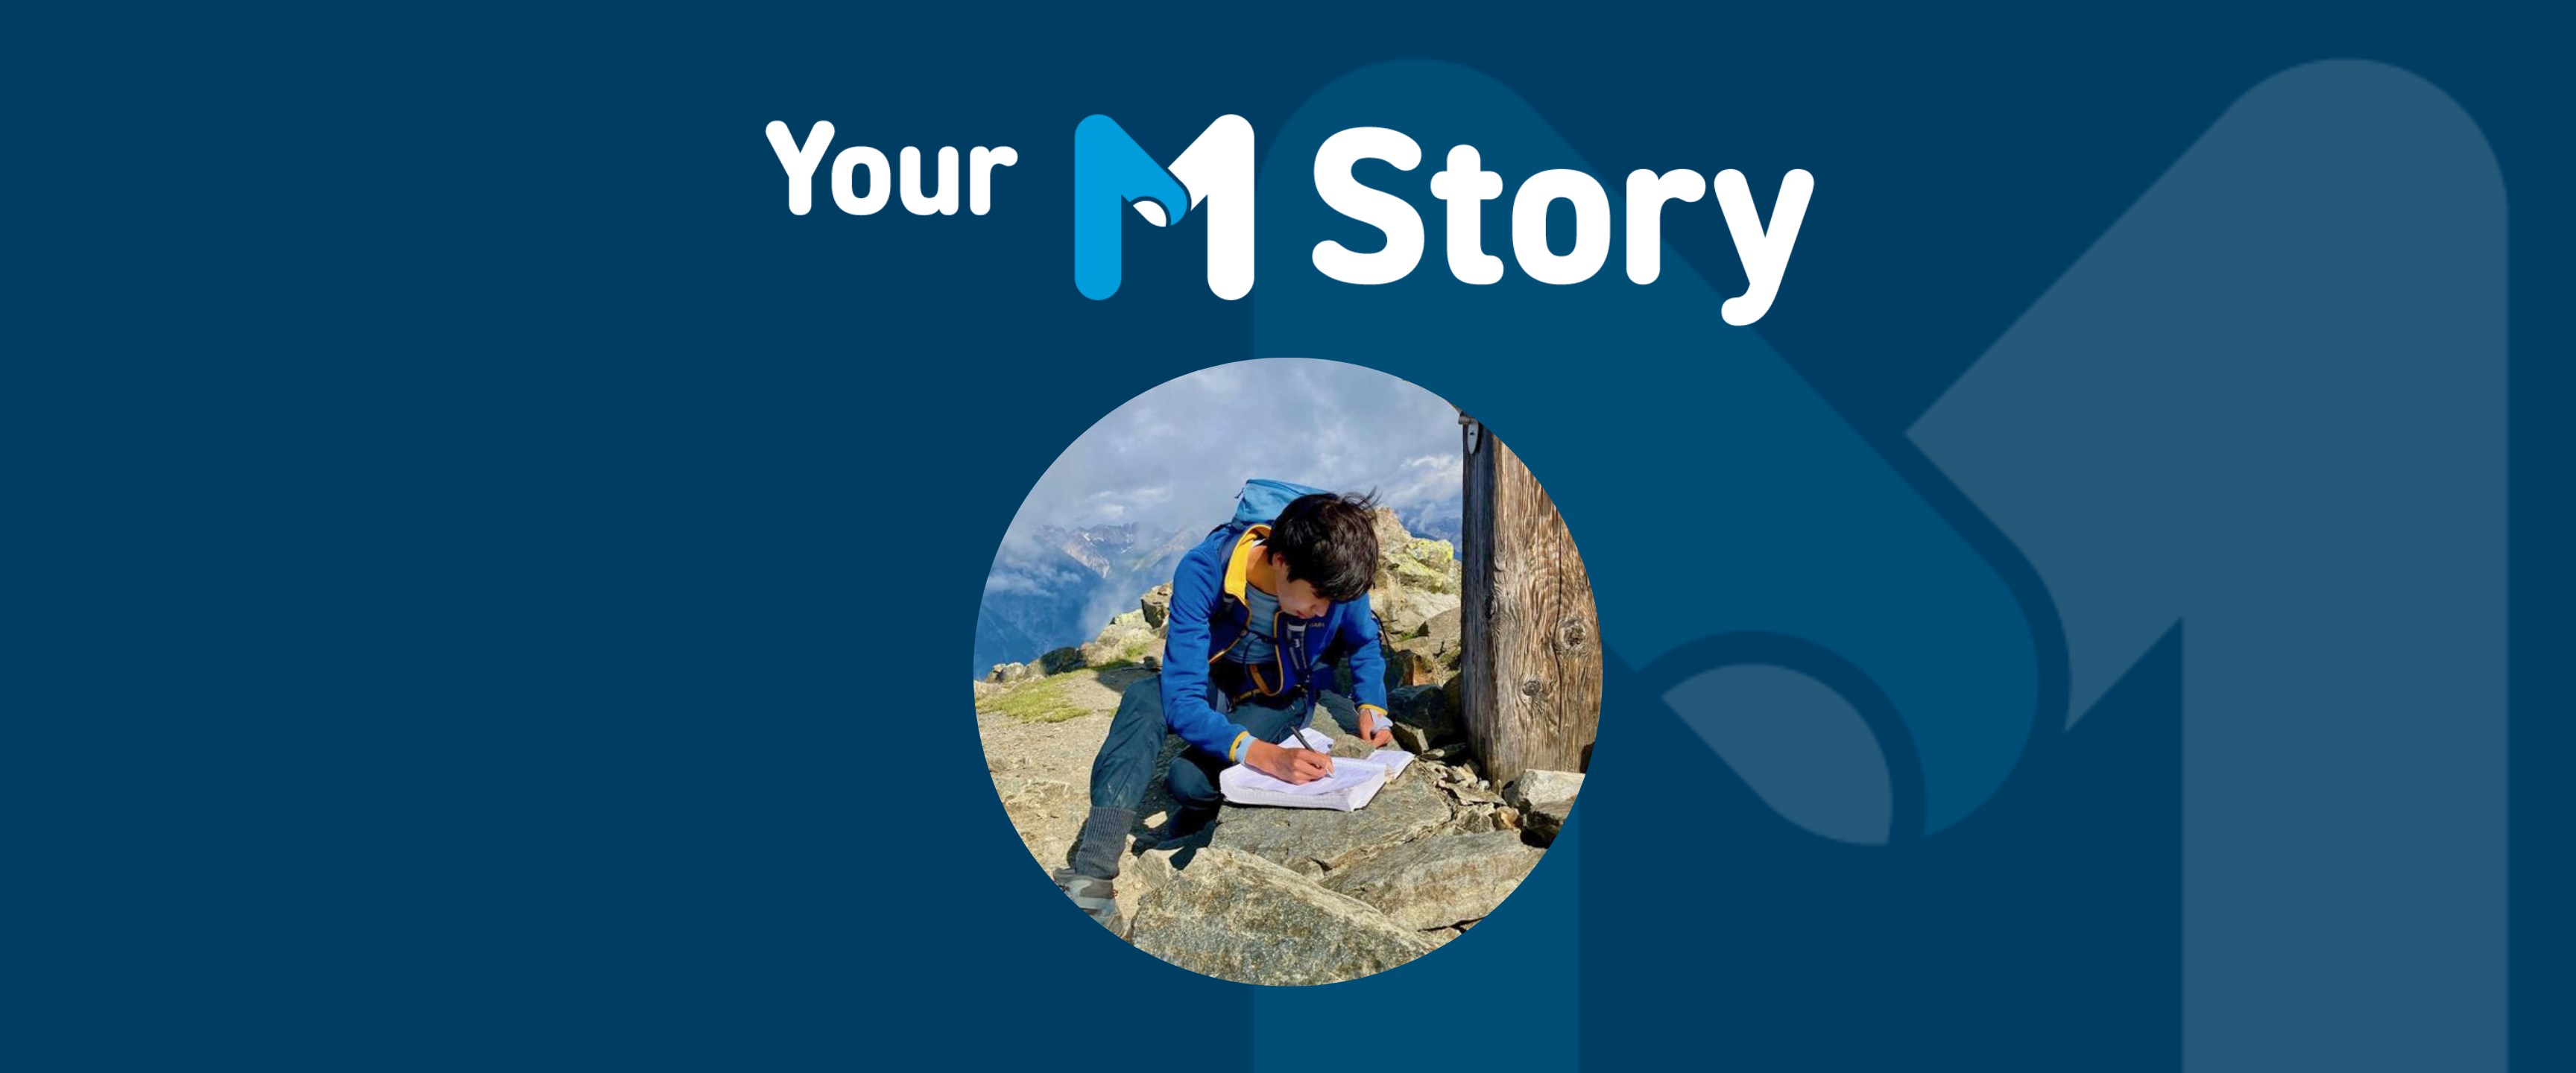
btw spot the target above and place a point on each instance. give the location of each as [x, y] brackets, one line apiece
[1532, 689]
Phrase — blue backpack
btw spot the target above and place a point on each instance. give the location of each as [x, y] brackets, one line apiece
[1260, 502]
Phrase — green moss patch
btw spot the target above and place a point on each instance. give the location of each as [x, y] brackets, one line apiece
[1045, 700]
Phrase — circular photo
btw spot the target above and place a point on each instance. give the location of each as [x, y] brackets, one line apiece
[1287, 672]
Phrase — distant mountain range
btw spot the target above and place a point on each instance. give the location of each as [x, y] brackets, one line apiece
[1063, 584]
[1059, 588]
[1441, 526]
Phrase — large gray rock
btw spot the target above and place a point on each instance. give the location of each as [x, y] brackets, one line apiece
[1060, 661]
[1410, 562]
[1157, 605]
[1235, 916]
[1416, 579]
[1437, 882]
[1126, 640]
[1146, 869]
[1314, 840]
[1443, 630]
[1391, 534]
[1406, 610]
[1544, 798]
[1006, 673]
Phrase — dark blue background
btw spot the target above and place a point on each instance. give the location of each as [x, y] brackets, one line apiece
[483, 564]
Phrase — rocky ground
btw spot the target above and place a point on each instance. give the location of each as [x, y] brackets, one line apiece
[1286, 896]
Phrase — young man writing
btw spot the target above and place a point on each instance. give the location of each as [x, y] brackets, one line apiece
[1258, 617]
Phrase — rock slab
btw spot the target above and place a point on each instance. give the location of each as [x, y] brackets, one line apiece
[1235, 916]
[1313, 841]
[1437, 882]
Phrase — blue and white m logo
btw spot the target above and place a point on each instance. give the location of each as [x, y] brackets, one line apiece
[1110, 172]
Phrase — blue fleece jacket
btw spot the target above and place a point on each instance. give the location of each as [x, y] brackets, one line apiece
[1209, 615]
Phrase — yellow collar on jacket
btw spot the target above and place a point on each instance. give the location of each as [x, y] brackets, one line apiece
[1238, 571]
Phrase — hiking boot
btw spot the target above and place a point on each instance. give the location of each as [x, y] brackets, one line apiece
[1096, 897]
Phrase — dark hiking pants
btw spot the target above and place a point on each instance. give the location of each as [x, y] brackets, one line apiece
[1126, 762]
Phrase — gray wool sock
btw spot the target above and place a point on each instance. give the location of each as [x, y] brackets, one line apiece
[1104, 840]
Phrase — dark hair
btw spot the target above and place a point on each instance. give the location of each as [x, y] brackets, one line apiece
[1330, 542]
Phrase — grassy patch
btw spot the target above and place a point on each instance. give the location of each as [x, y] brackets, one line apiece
[1059, 697]
[1046, 700]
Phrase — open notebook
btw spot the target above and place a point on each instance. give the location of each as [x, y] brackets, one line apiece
[1354, 781]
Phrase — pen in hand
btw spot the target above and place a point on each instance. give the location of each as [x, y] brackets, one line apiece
[1296, 741]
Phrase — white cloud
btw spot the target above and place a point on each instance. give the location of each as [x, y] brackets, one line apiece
[1012, 581]
[1431, 481]
[1174, 456]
